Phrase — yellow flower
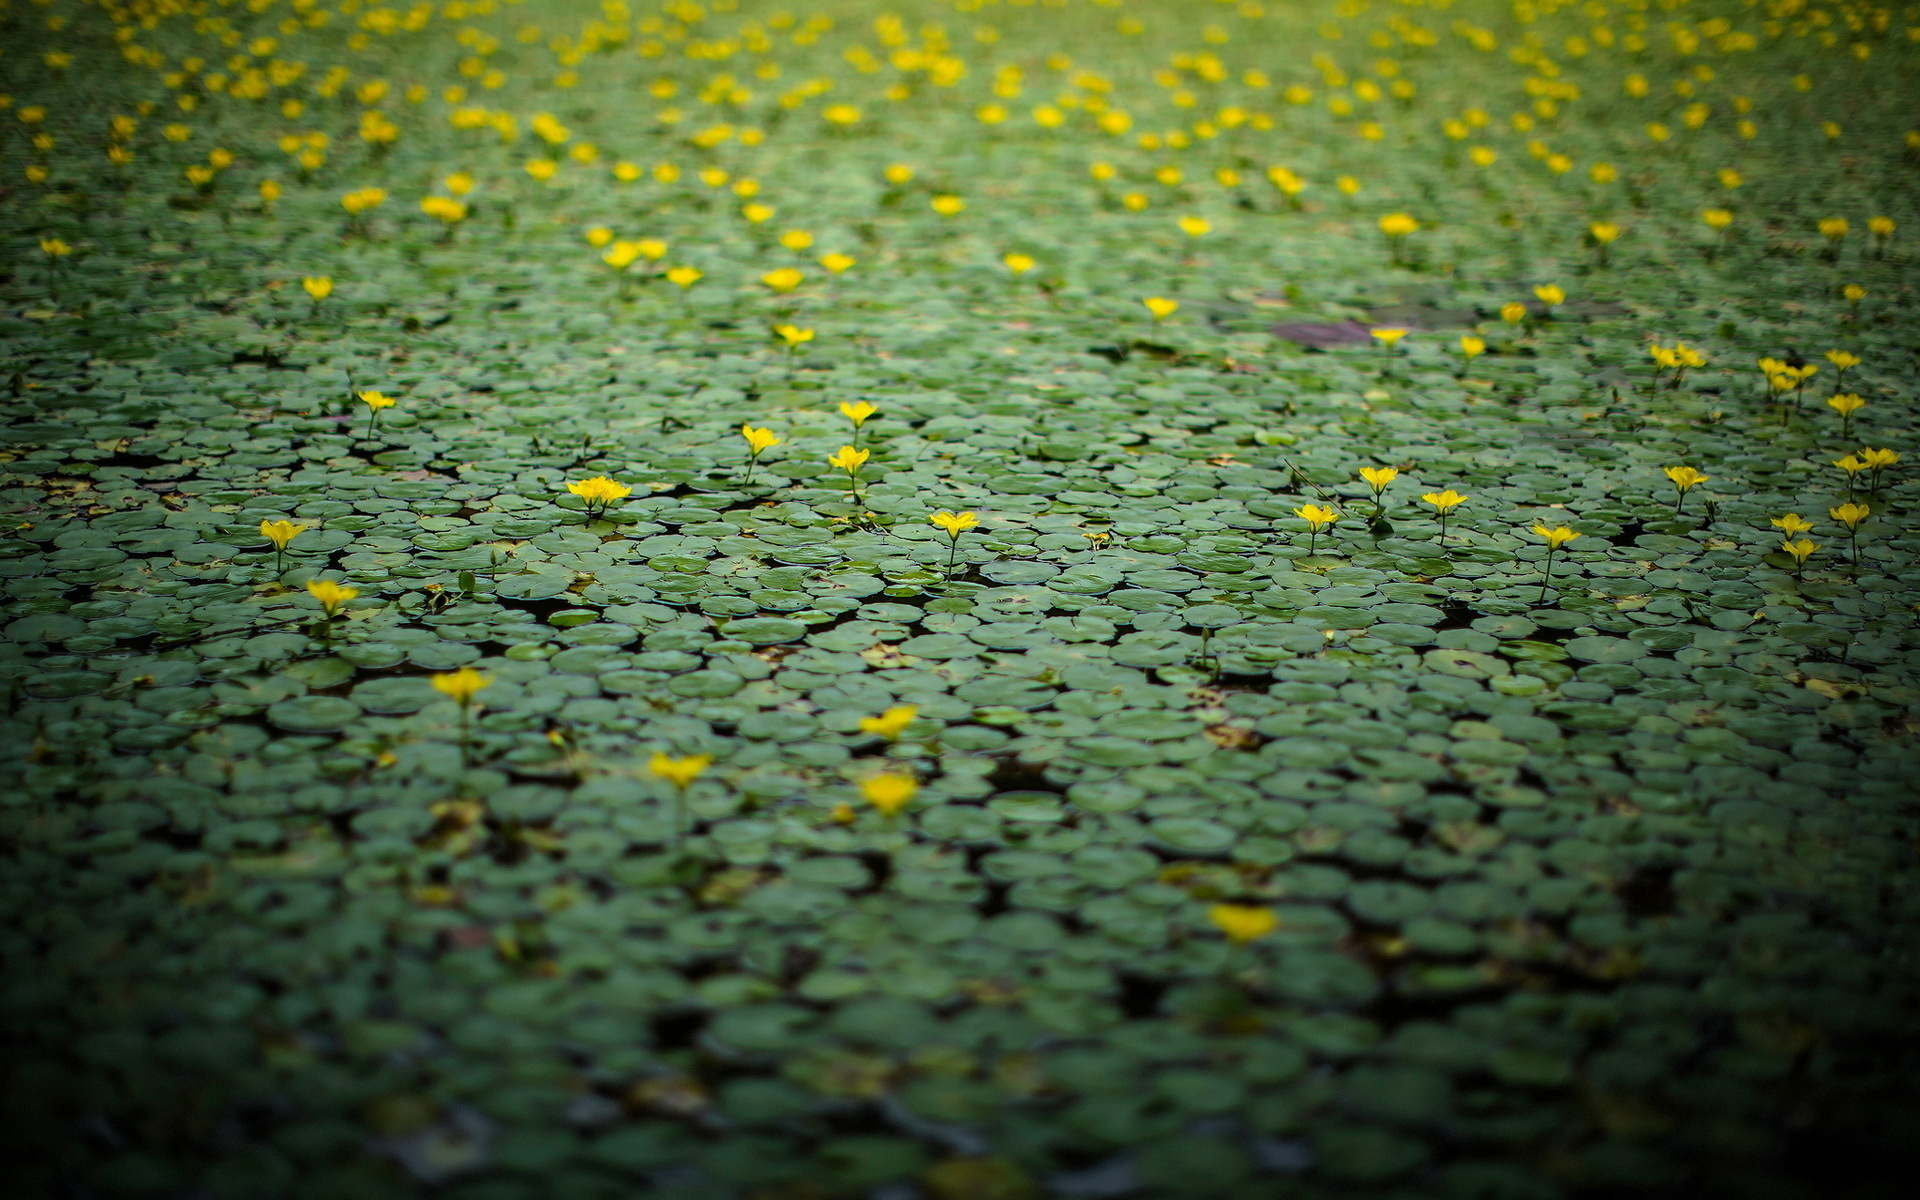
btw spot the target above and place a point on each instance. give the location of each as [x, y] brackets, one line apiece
[598, 236]
[1685, 477]
[1878, 459]
[362, 199]
[1843, 360]
[1851, 464]
[1317, 516]
[683, 277]
[796, 239]
[1717, 218]
[841, 114]
[1019, 264]
[621, 255]
[898, 173]
[443, 209]
[1834, 228]
[793, 335]
[757, 212]
[1445, 501]
[758, 440]
[1555, 537]
[1849, 514]
[1472, 347]
[1161, 307]
[1854, 293]
[1378, 478]
[849, 459]
[599, 491]
[837, 263]
[889, 793]
[375, 401]
[459, 183]
[890, 723]
[462, 685]
[955, 523]
[947, 205]
[1243, 923]
[318, 286]
[1388, 335]
[1513, 312]
[55, 247]
[784, 279]
[331, 595]
[679, 771]
[1880, 227]
[280, 533]
[1730, 178]
[542, 169]
[1396, 225]
[857, 411]
[1792, 524]
[1550, 294]
[1604, 232]
[1195, 226]
[1800, 550]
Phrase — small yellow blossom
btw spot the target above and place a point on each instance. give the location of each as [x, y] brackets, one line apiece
[680, 772]
[890, 723]
[889, 793]
[331, 595]
[1161, 307]
[461, 686]
[599, 491]
[318, 286]
[1243, 923]
[281, 533]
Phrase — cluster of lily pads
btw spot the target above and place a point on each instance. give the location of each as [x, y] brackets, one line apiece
[1091, 598]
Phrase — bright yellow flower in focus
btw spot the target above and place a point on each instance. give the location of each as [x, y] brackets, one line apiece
[1792, 524]
[461, 686]
[1388, 335]
[1161, 307]
[954, 524]
[857, 411]
[281, 533]
[1850, 514]
[1472, 347]
[849, 459]
[1378, 478]
[890, 723]
[599, 491]
[376, 400]
[1555, 537]
[331, 595]
[889, 793]
[1445, 501]
[793, 335]
[1685, 478]
[758, 440]
[1243, 923]
[680, 772]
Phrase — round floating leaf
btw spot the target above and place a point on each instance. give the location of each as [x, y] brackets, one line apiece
[313, 714]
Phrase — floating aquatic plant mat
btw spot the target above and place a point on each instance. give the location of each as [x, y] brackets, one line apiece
[958, 601]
